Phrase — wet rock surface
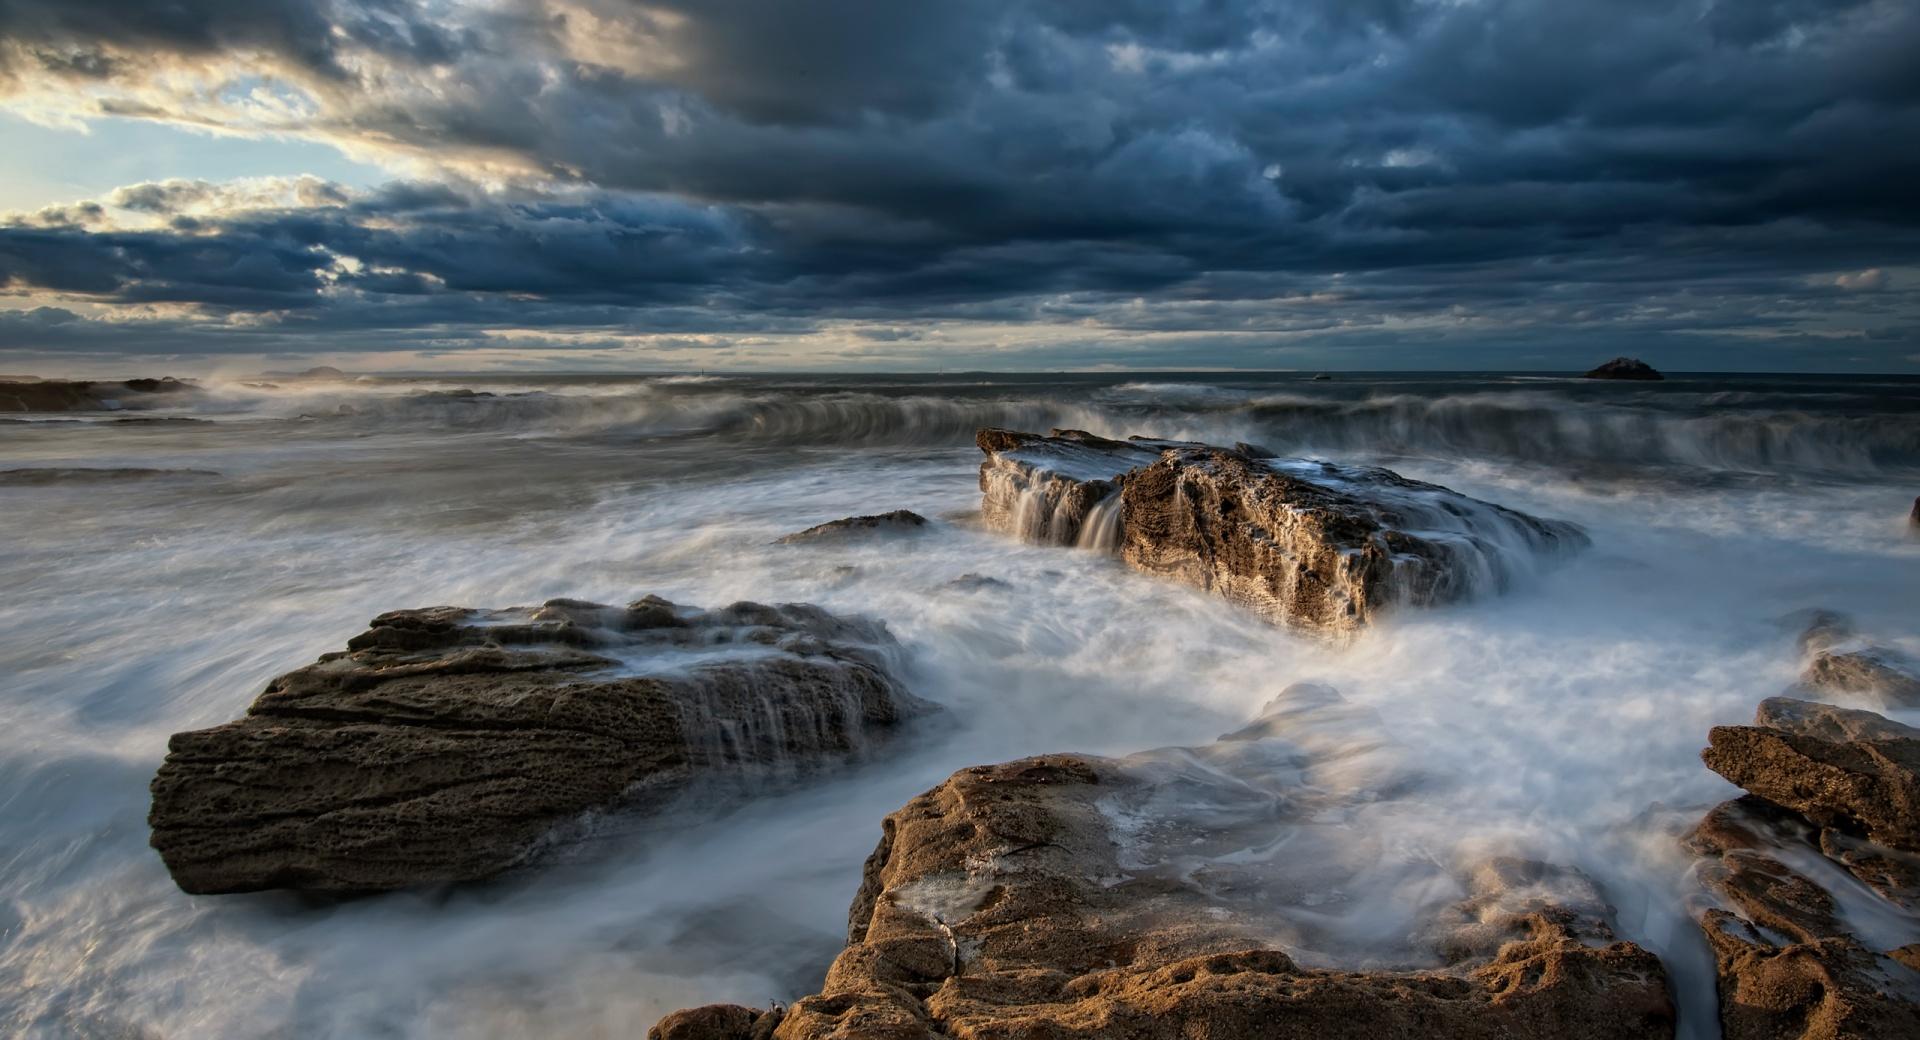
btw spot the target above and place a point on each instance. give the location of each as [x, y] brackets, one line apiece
[899, 521]
[1876, 672]
[452, 744]
[1625, 368]
[1799, 951]
[1046, 488]
[1304, 542]
[1156, 896]
[67, 395]
[1788, 965]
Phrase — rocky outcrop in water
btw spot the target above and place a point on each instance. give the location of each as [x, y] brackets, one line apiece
[1826, 787]
[1851, 770]
[1625, 368]
[451, 744]
[69, 395]
[900, 521]
[1876, 672]
[1023, 900]
[1304, 542]
[1153, 896]
[1047, 489]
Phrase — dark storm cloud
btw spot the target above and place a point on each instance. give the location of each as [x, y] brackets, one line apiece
[1636, 168]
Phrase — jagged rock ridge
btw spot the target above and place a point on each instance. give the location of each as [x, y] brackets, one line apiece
[1304, 542]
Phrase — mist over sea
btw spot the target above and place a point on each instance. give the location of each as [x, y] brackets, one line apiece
[161, 565]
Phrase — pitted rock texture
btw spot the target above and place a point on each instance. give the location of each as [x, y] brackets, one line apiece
[1000, 905]
[450, 744]
[1303, 542]
[1789, 967]
[1854, 771]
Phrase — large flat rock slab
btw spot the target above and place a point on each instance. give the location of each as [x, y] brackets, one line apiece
[1304, 542]
[1851, 770]
[452, 744]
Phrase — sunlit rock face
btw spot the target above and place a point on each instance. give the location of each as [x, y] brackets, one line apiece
[451, 744]
[1304, 542]
[1190, 893]
[1816, 874]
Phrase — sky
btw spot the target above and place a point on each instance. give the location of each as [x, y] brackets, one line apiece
[610, 185]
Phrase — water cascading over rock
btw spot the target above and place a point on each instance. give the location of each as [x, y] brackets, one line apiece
[1183, 894]
[1302, 541]
[451, 744]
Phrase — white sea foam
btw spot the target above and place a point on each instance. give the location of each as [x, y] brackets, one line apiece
[1561, 720]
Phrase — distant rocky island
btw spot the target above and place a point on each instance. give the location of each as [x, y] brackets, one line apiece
[1625, 368]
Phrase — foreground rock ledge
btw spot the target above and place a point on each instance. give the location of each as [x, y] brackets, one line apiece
[450, 744]
[1303, 542]
[1000, 905]
[1791, 962]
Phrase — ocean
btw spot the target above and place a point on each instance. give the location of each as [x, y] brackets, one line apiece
[161, 565]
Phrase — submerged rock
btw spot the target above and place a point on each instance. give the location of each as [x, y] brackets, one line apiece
[1624, 368]
[70, 395]
[1876, 671]
[1304, 542]
[451, 744]
[1851, 770]
[1023, 900]
[900, 521]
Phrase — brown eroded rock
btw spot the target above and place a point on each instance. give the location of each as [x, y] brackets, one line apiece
[1022, 900]
[1304, 542]
[450, 744]
[1886, 675]
[900, 521]
[1851, 770]
[1788, 966]
[717, 1022]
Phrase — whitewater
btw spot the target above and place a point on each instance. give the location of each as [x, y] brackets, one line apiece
[162, 565]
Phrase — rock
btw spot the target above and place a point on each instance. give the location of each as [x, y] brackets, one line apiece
[1020, 901]
[1819, 628]
[1323, 546]
[1788, 966]
[1851, 770]
[1886, 675]
[67, 395]
[1624, 368]
[1913, 518]
[900, 521]
[1304, 542]
[450, 744]
[717, 1022]
[1046, 489]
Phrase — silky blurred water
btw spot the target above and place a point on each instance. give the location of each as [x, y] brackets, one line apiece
[1562, 720]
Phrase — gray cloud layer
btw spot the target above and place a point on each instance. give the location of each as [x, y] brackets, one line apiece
[1221, 181]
